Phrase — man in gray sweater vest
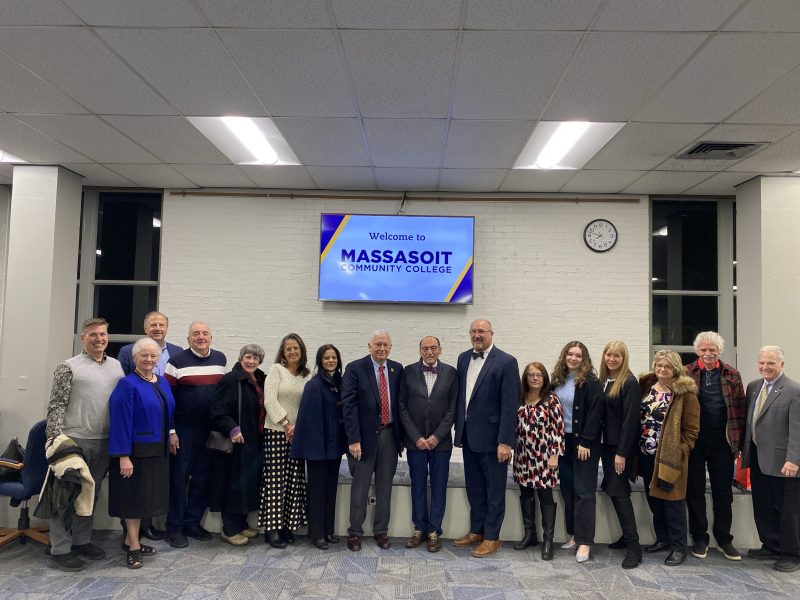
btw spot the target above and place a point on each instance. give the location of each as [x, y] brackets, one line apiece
[79, 409]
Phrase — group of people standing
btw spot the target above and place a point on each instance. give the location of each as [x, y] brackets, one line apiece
[178, 434]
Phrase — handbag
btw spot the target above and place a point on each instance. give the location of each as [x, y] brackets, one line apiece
[221, 443]
[11, 461]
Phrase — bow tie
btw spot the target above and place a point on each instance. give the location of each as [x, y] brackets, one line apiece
[477, 355]
[427, 369]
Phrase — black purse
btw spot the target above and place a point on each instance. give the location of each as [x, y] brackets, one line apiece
[12, 465]
[221, 443]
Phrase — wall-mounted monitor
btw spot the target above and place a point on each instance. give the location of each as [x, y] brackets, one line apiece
[396, 258]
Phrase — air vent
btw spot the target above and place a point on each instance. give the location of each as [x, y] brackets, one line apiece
[721, 150]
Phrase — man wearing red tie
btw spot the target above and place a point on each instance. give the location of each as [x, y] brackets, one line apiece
[370, 392]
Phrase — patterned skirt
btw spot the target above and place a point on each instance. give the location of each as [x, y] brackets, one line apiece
[283, 486]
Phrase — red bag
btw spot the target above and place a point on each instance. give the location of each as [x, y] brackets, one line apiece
[742, 476]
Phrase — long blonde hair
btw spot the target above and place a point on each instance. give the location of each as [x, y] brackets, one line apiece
[624, 369]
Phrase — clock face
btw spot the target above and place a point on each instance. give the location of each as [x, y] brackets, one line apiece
[600, 235]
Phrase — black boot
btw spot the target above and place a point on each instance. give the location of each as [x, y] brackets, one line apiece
[548, 529]
[633, 556]
[528, 522]
[274, 539]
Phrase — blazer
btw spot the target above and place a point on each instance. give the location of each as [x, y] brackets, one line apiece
[587, 412]
[361, 404]
[734, 397]
[423, 415]
[319, 431]
[125, 357]
[777, 427]
[621, 417]
[491, 417]
[139, 420]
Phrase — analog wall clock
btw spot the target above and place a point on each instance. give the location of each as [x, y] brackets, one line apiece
[600, 235]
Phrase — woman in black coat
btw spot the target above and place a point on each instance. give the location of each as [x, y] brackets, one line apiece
[234, 478]
[319, 439]
[621, 431]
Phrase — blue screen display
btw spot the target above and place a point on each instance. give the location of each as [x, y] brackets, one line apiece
[389, 258]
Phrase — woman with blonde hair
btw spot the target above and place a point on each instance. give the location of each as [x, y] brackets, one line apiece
[620, 433]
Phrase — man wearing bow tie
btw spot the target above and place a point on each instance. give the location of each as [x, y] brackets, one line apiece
[428, 395]
[486, 417]
[772, 451]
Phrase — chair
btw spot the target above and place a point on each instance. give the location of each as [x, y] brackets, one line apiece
[32, 474]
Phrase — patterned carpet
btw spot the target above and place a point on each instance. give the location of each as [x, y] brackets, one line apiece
[215, 569]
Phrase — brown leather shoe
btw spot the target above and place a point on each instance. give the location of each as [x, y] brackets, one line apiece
[434, 542]
[354, 543]
[486, 548]
[415, 541]
[383, 541]
[468, 540]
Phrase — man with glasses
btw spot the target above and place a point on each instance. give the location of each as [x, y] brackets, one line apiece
[486, 418]
[428, 395]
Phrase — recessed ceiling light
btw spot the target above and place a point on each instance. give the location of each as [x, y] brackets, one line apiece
[246, 140]
[5, 157]
[565, 144]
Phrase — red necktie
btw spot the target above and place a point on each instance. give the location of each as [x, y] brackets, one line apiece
[383, 390]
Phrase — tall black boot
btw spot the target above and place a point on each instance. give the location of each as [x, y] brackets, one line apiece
[548, 529]
[627, 521]
[528, 522]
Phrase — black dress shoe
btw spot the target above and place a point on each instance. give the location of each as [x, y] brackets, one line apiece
[331, 539]
[197, 532]
[151, 533]
[287, 536]
[320, 544]
[620, 544]
[763, 553]
[274, 539]
[786, 566]
[176, 539]
[675, 558]
[657, 547]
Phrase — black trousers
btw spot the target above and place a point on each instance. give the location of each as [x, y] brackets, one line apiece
[776, 509]
[323, 480]
[578, 481]
[712, 451]
[617, 486]
[669, 516]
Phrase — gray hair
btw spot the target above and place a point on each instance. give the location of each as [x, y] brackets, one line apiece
[193, 323]
[709, 337]
[673, 359]
[776, 349]
[253, 349]
[155, 313]
[379, 333]
[142, 342]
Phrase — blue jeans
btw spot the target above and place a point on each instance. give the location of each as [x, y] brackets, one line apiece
[421, 464]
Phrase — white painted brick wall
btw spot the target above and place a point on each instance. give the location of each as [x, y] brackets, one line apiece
[248, 266]
[5, 214]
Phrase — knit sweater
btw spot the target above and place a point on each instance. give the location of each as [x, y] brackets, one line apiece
[282, 394]
[193, 380]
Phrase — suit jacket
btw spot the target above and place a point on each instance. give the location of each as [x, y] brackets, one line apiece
[125, 357]
[491, 417]
[361, 403]
[777, 427]
[621, 417]
[423, 415]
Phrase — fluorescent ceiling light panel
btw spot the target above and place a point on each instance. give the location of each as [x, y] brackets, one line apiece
[565, 144]
[5, 157]
[247, 140]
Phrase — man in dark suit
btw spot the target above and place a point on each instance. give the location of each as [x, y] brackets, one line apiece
[428, 396]
[370, 392]
[772, 451]
[486, 418]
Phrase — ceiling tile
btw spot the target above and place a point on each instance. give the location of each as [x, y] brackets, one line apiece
[305, 74]
[171, 139]
[657, 15]
[36, 12]
[721, 184]
[407, 179]
[613, 74]
[273, 14]
[154, 176]
[189, 67]
[767, 15]
[401, 74]
[780, 157]
[642, 146]
[31, 94]
[34, 146]
[471, 180]
[280, 177]
[665, 182]
[90, 136]
[600, 182]
[497, 78]
[343, 178]
[79, 64]
[390, 14]
[215, 176]
[485, 144]
[564, 15]
[532, 180]
[141, 13]
[98, 175]
[777, 104]
[406, 142]
[727, 73]
[331, 142]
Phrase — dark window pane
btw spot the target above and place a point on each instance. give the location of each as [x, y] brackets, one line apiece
[124, 306]
[678, 319]
[114, 348]
[684, 245]
[128, 239]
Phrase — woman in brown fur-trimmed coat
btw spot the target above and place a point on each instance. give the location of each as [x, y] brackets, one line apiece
[670, 422]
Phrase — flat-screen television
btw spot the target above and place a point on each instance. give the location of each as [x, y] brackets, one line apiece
[396, 258]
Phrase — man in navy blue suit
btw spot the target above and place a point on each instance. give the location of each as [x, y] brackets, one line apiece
[486, 418]
[370, 405]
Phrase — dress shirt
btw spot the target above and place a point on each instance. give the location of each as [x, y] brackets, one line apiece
[377, 369]
[473, 370]
[162, 360]
[430, 378]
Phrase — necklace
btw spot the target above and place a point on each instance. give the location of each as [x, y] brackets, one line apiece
[147, 379]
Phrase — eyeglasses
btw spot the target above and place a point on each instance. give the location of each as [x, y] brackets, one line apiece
[426, 349]
[536, 375]
[479, 331]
